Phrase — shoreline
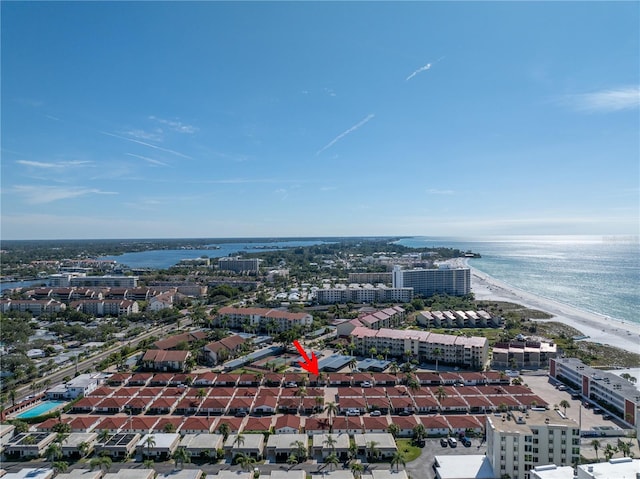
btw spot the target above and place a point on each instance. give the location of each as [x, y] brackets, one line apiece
[598, 328]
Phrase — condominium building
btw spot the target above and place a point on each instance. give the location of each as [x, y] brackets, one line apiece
[518, 442]
[612, 392]
[458, 319]
[523, 354]
[427, 282]
[372, 278]
[239, 265]
[367, 293]
[423, 345]
[104, 281]
[273, 320]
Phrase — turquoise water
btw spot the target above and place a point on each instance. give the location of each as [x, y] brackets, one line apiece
[592, 273]
[163, 259]
[40, 409]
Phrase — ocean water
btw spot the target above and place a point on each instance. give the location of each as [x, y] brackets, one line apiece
[592, 273]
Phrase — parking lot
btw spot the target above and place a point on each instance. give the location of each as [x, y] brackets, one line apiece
[423, 466]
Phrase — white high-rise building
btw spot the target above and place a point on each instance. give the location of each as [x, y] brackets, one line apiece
[518, 442]
[427, 282]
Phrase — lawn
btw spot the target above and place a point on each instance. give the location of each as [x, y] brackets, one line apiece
[409, 451]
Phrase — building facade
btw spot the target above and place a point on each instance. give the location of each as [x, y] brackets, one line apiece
[425, 346]
[613, 393]
[272, 320]
[239, 265]
[364, 294]
[427, 282]
[516, 443]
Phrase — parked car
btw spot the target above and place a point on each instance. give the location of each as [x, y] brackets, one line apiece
[352, 412]
[452, 442]
[404, 413]
[443, 442]
[366, 384]
[466, 442]
[376, 413]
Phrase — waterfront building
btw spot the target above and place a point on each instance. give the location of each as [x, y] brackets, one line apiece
[518, 442]
[373, 278]
[427, 282]
[239, 265]
[107, 281]
[458, 319]
[523, 354]
[366, 293]
[268, 319]
[423, 345]
[613, 393]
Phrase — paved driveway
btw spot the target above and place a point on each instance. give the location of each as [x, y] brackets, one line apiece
[422, 467]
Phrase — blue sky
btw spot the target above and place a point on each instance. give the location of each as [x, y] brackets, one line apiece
[211, 119]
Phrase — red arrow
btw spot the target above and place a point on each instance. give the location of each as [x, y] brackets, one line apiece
[310, 365]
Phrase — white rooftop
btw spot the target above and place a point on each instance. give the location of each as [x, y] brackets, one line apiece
[552, 471]
[473, 466]
[292, 474]
[284, 441]
[30, 473]
[162, 440]
[384, 474]
[620, 468]
[337, 474]
[81, 474]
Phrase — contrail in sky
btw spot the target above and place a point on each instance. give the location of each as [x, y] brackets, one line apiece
[147, 144]
[345, 133]
[422, 69]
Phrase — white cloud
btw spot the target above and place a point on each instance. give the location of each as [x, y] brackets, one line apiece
[626, 98]
[37, 194]
[421, 69]
[149, 160]
[60, 164]
[175, 125]
[145, 135]
[434, 191]
[345, 133]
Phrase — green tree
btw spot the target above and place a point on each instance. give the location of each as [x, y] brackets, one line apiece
[419, 433]
[397, 459]
[245, 461]
[596, 445]
[565, 404]
[104, 436]
[332, 461]
[332, 411]
[238, 440]
[53, 452]
[609, 451]
[372, 450]
[300, 450]
[440, 393]
[224, 429]
[330, 442]
[149, 442]
[393, 429]
[181, 456]
[60, 467]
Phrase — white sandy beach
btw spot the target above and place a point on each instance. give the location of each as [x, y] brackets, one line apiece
[598, 328]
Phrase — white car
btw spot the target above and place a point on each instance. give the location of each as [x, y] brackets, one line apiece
[353, 412]
[376, 413]
[366, 384]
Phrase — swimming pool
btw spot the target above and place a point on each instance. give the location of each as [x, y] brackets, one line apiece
[40, 409]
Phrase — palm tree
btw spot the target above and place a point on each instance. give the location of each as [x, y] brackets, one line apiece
[300, 450]
[437, 352]
[609, 451]
[373, 351]
[149, 441]
[319, 401]
[372, 449]
[386, 352]
[330, 442]
[393, 429]
[224, 429]
[356, 469]
[440, 393]
[169, 428]
[393, 368]
[60, 467]
[397, 459]
[353, 362]
[180, 456]
[332, 461]
[332, 411]
[292, 460]
[419, 433]
[565, 404]
[201, 394]
[53, 452]
[596, 445]
[624, 447]
[83, 448]
[239, 440]
[104, 436]
[245, 461]
[101, 462]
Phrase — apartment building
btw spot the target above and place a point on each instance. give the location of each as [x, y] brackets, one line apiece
[518, 442]
[106, 307]
[372, 278]
[612, 392]
[366, 293]
[427, 282]
[239, 265]
[523, 354]
[262, 318]
[106, 281]
[36, 307]
[458, 319]
[423, 345]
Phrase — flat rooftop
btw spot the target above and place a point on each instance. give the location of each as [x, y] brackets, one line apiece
[473, 466]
